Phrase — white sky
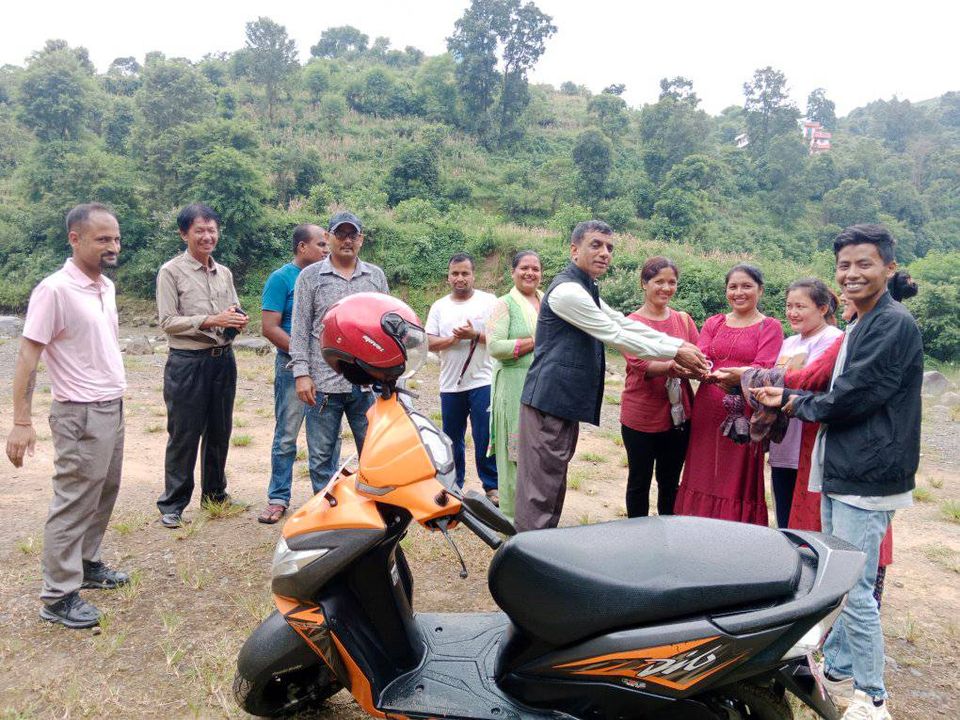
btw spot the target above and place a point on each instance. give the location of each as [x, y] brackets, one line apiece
[859, 51]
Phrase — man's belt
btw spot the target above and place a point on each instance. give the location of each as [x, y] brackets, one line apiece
[212, 352]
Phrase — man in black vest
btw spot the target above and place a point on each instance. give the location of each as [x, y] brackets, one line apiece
[564, 385]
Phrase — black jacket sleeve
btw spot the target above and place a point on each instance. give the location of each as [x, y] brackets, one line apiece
[873, 373]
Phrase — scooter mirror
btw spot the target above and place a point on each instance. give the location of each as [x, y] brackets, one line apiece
[486, 512]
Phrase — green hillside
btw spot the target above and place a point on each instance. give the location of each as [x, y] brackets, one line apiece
[459, 151]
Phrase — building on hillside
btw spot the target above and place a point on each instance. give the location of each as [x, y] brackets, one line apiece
[817, 137]
[742, 140]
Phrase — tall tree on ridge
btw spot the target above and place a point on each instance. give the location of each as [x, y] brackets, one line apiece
[272, 57]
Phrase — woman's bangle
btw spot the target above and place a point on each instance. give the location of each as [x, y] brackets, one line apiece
[23, 424]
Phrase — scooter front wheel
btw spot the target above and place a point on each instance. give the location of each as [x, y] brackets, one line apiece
[288, 694]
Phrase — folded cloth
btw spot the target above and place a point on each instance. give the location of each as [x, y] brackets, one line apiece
[765, 422]
[735, 426]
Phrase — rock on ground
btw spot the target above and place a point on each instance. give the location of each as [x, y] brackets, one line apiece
[256, 345]
[139, 346]
[10, 326]
[934, 383]
[950, 399]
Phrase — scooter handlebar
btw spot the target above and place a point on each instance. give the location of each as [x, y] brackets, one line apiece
[483, 532]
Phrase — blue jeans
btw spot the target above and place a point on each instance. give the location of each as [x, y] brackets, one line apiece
[290, 413]
[456, 407]
[855, 645]
[329, 412]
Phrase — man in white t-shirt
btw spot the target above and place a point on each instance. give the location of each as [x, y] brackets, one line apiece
[455, 327]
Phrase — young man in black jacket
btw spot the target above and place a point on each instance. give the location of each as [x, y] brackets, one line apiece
[866, 455]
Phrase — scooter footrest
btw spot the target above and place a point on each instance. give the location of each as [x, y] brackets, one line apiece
[456, 677]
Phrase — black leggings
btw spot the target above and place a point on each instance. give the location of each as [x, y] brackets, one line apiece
[667, 450]
[782, 481]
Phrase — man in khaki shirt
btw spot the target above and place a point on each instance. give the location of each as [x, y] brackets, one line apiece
[199, 310]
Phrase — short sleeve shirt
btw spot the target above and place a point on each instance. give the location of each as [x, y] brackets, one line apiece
[445, 315]
[75, 318]
[278, 293]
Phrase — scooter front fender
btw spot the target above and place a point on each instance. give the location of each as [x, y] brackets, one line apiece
[797, 677]
[274, 648]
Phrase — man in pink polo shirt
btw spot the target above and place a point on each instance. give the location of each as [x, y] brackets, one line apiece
[72, 323]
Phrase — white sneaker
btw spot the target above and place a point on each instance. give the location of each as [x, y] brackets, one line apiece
[862, 708]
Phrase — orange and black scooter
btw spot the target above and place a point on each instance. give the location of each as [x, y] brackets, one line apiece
[672, 617]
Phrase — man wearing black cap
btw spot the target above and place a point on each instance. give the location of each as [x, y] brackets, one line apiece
[319, 286]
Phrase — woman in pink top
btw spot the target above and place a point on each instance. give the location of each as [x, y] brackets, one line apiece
[810, 309]
[656, 398]
[722, 479]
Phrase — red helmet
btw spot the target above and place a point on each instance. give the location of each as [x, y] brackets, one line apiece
[371, 337]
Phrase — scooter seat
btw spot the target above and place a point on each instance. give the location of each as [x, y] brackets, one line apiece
[566, 584]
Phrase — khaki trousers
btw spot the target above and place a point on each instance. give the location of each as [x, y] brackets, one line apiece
[545, 445]
[88, 458]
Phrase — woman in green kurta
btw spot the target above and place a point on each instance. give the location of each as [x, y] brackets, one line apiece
[510, 332]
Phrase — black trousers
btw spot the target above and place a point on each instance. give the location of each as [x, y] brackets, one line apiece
[198, 389]
[665, 449]
[782, 480]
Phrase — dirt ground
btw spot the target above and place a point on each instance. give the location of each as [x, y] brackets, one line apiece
[169, 641]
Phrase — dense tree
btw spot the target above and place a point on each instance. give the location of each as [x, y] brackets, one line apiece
[617, 89]
[272, 57]
[173, 92]
[821, 109]
[592, 155]
[769, 109]
[415, 174]
[56, 95]
[340, 41]
[671, 130]
[474, 48]
[523, 33]
[854, 201]
[316, 80]
[611, 113]
[123, 76]
[680, 89]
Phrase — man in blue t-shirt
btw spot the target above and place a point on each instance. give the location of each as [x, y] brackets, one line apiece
[309, 246]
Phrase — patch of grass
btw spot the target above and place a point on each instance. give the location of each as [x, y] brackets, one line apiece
[154, 427]
[613, 436]
[131, 522]
[303, 471]
[575, 479]
[131, 589]
[347, 434]
[437, 418]
[159, 411]
[608, 380]
[586, 519]
[624, 461]
[30, 545]
[935, 482]
[955, 413]
[950, 509]
[301, 454]
[611, 399]
[912, 631]
[171, 620]
[193, 577]
[220, 510]
[188, 530]
[922, 494]
[238, 403]
[592, 457]
[255, 606]
[943, 556]
[173, 653]
[239, 422]
[263, 411]
[133, 363]
[241, 440]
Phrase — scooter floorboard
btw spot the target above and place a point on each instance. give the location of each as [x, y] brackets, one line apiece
[456, 677]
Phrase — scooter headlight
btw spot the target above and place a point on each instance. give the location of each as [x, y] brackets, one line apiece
[287, 562]
[813, 638]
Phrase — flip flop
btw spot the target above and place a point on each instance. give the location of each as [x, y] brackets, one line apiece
[271, 513]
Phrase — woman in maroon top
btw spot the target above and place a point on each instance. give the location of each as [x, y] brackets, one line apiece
[651, 433]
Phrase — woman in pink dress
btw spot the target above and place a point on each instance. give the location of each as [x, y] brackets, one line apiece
[722, 479]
